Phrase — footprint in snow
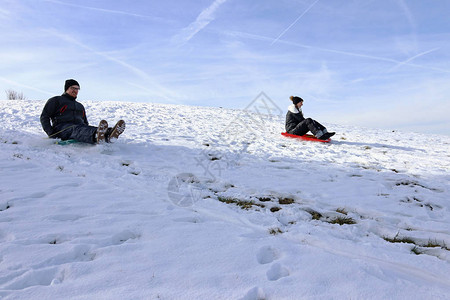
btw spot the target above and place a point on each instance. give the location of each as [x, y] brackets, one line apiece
[276, 272]
[266, 255]
[79, 253]
[42, 277]
[255, 293]
[48, 272]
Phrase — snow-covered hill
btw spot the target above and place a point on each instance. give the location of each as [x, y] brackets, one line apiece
[211, 203]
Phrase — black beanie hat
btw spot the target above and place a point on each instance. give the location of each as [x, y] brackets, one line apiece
[296, 100]
[69, 83]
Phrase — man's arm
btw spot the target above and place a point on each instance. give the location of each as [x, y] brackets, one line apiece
[47, 113]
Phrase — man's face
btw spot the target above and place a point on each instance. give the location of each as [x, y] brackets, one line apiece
[73, 90]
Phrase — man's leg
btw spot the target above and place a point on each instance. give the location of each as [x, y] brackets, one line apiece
[82, 133]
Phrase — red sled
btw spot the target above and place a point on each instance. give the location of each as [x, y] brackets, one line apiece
[306, 137]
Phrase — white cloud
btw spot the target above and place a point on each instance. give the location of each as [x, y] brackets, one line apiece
[203, 19]
[4, 14]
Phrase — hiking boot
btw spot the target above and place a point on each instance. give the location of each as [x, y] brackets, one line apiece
[101, 131]
[114, 133]
[326, 136]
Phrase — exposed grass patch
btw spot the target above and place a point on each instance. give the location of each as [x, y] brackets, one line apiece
[341, 211]
[314, 214]
[226, 200]
[342, 221]
[275, 209]
[286, 201]
[396, 239]
[264, 199]
[247, 204]
[416, 250]
[244, 204]
[436, 244]
[407, 183]
[275, 231]
[415, 184]
[432, 244]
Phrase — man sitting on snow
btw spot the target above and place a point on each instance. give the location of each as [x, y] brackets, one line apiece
[65, 118]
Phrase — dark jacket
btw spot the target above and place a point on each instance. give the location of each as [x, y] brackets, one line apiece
[293, 118]
[62, 109]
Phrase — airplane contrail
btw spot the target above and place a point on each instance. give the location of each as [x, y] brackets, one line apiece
[411, 59]
[202, 20]
[163, 91]
[108, 10]
[347, 53]
[293, 23]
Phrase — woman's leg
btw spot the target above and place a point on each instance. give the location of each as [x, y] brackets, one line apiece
[318, 125]
[300, 129]
[309, 125]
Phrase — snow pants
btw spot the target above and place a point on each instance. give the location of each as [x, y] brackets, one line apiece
[307, 125]
[80, 132]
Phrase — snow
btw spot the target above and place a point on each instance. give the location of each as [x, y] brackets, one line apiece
[156, 214]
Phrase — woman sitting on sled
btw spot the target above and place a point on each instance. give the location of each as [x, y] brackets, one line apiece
[298, 125]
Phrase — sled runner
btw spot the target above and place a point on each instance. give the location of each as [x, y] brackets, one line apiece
[306, 137]
[66, 142]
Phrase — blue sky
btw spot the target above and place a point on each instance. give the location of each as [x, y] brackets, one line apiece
[382, 64]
